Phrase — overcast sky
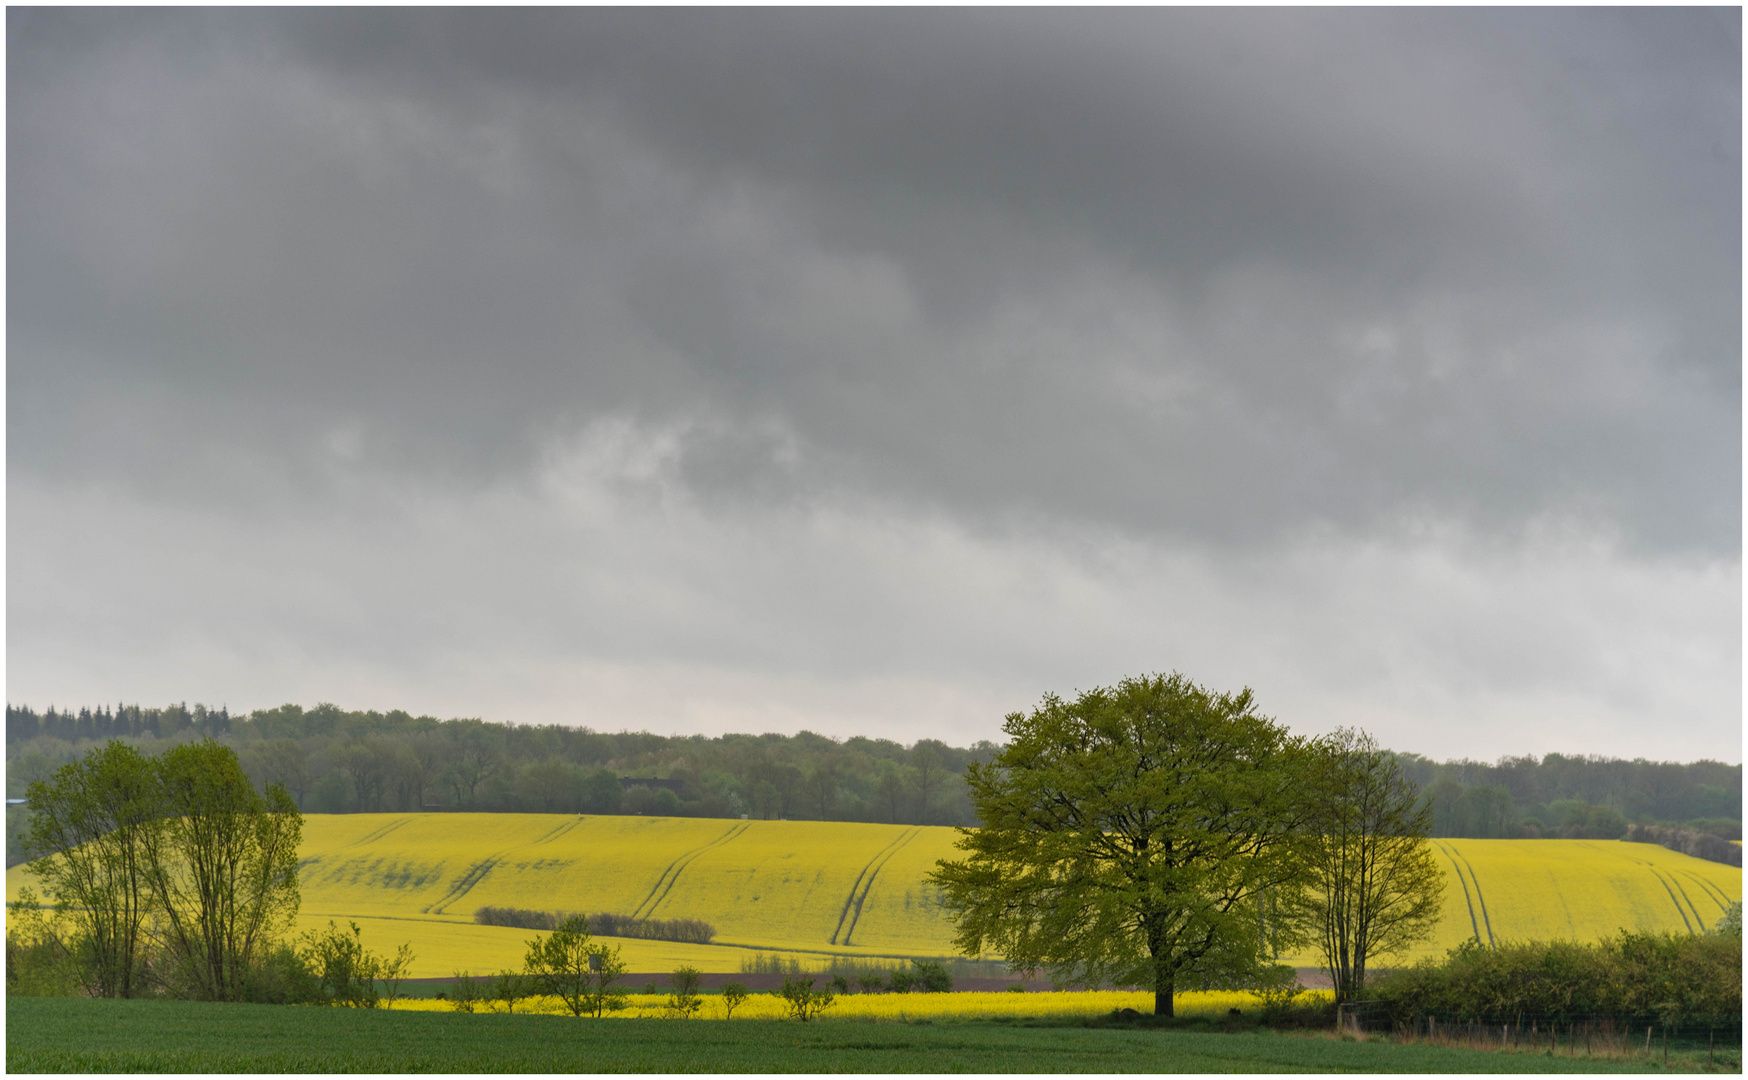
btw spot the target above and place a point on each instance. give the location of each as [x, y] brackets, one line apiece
[877, 372]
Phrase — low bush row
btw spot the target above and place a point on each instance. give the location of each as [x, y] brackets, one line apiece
[1700, 845]
[1669, 975]
[605, 924]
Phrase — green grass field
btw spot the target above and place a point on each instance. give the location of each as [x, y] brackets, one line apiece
[85, 1035]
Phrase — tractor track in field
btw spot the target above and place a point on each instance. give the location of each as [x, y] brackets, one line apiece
[478, 871]
[1717, 896]
[1658, 874]
[379, 832]
[866, 880]
[1473, 924]
[463, 885]
[665, 883]
[850, 900]
[1679, 910]
[1682, 889]
[1486, 920]
[557, 831]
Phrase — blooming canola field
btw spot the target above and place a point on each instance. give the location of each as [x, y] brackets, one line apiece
[814, 890]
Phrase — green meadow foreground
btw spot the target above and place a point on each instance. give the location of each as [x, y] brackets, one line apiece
[108, 1035]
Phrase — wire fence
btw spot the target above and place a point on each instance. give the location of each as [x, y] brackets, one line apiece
[1592, 1034]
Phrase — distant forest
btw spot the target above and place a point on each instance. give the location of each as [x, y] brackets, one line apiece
[335, 761]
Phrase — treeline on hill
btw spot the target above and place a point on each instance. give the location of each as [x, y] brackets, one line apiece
[338, 761]
[1577, 797]
[335, 761]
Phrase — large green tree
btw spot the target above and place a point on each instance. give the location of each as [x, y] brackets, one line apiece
[91, 827]
[1128, 836]
[222, 866]
[1374, 885]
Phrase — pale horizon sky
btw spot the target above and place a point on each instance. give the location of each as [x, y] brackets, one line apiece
[880, 371]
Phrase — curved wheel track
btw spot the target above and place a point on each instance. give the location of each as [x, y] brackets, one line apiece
[1486, 920]
[665, 883]
[1473, 923]
[867, 881]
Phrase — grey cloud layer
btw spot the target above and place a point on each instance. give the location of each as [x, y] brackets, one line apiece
[1216, 274]
[1144, 304]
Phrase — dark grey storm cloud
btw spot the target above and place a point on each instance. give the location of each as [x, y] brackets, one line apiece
[1223, 285]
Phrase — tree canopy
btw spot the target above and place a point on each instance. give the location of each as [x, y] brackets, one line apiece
[1129, 836]
[180, 855]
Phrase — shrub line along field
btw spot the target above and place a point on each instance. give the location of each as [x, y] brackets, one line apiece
[114, 1035]
[814, 891]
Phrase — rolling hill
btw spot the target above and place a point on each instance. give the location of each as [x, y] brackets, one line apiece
[814, 889]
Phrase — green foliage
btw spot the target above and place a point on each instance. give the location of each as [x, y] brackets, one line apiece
[280, 975]
[684, 1002]
[1687, 841]
[1128, 836]
[465, 993]
[1672, 975]
[931, 976]
[733, 993]
[39, 963]
[1278, 987]
[346, 973]
[1374, 886]
[336, 761]
[506, 767]
[871, 982]
[92, 824]
[1578, 797]
[510, 987]
[1730, 922]
[178, 861]
[221, 865]
[695, 931]
[580, 974]
[803, 1001]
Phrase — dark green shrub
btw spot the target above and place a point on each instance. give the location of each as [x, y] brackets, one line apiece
[281, 977]
[931, 976]
[1630, 974]
[465, 993]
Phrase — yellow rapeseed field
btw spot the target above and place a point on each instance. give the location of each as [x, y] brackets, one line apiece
[1576, 889]
[813, 890]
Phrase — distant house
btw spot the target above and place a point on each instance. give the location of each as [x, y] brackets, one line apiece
[627, 782]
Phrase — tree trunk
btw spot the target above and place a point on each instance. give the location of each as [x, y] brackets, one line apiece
[1164, 980]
